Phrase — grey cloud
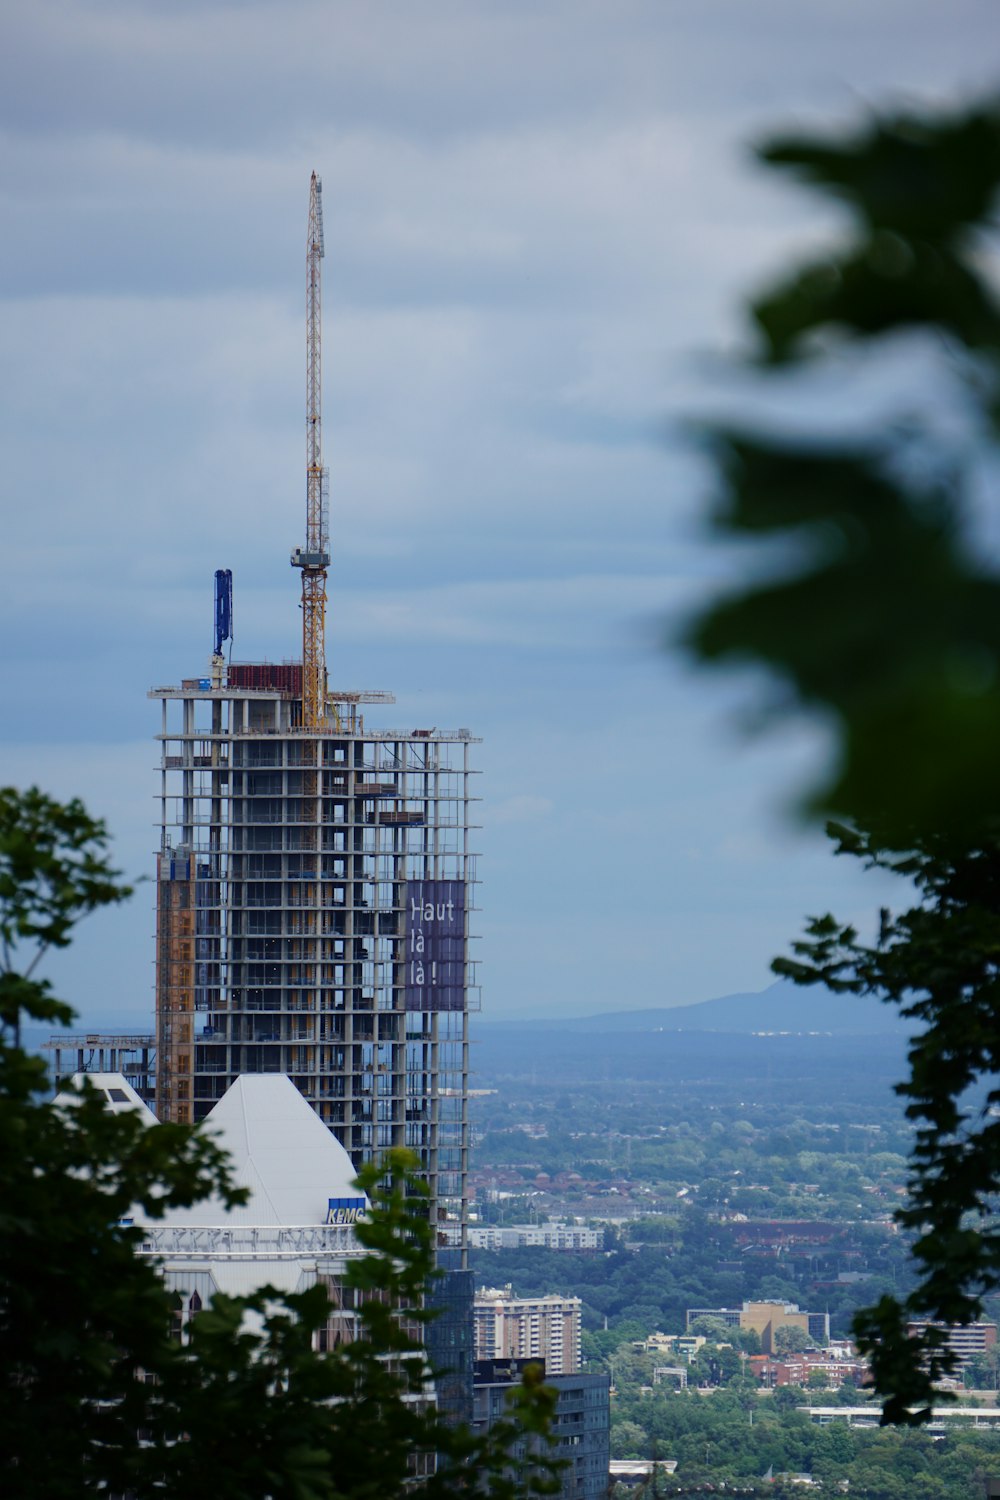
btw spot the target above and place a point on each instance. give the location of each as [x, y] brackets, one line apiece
[212, 74]
[537, 217]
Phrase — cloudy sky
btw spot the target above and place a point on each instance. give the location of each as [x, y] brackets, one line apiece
[540, 221]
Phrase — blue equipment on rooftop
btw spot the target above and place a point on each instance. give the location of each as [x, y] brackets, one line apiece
[223, 607]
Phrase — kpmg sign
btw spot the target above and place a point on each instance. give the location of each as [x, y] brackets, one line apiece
[345, 1210]
[435, 945]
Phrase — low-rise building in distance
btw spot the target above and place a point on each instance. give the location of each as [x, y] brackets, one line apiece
[555, 1235]
[964, 1340]
[796, 1369]
[766, 1319]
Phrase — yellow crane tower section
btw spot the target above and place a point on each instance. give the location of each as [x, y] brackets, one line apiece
[314, 557]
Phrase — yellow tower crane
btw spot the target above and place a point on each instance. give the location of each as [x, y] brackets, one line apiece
[314, 557]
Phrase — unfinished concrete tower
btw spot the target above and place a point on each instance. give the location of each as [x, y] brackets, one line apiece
[315, 885]
[314, 894]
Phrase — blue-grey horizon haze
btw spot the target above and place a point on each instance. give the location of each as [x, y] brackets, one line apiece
[542, 223]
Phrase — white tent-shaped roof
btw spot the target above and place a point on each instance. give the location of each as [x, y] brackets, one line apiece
[279, 1149]
[119, 1095]
[282, 1152]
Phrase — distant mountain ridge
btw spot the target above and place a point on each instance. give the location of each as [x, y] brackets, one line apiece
[782, 1007]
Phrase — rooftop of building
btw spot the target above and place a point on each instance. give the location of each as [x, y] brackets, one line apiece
[485, 1294]
[280, 1150]
[265, 681]
[119, 1095]
[295, 1171]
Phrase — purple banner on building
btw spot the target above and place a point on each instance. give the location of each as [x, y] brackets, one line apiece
[435, 945]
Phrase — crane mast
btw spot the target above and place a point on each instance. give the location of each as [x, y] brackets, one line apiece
[314, 557]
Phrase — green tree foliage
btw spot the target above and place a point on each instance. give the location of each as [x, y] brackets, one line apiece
[53, 871]
[884, 616]
[244, 1408]
[716, 1330]
[650, 1290]
[883, 613]
[938, 960]
[982, 1371]
[80, 1316]
[791, 1340]
[735, 1438]
[747, 1339]
[629, 1441]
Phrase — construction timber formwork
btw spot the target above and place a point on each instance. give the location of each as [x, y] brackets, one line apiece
[315, 888]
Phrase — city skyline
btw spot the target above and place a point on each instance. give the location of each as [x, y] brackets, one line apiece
[539, 227]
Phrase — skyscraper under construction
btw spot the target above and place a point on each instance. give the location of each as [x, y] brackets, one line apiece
[315, 883]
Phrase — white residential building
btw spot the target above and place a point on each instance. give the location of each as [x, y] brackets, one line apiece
[556, 1235]
[544, 1328]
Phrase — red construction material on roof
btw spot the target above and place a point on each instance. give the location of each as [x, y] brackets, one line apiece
[267, 677]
